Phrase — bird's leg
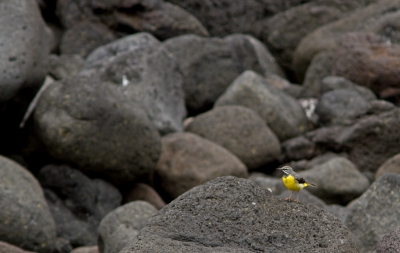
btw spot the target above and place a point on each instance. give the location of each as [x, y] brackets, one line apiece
[297, 200]
[290, 197]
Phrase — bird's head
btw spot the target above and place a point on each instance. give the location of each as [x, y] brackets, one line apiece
[286, 169]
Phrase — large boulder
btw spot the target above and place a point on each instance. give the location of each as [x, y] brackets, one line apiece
[230, 214]
[283, 114]
[24, 47]
[380, 18]
[145, 72]
[188, 160]
[77, 203]
[26, 220]
[9, 248]
[122, 225]
[376, 212]
[241, 131]
[209, 65]
[162, 19]
[87, 123]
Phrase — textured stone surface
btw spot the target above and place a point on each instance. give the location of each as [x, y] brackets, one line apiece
[209, 65]
[63, 66]
[188, 160]
[331, 83]
[8, 248]
[89, 124]
[282, 113]
[77, 202]
[376, 212]
[390, 242]
[241, 131]
[144, 71]
[26, 220]
[86, 249]
[123, 224]
[230, 214]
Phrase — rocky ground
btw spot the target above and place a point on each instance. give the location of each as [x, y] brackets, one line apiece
[157, 126]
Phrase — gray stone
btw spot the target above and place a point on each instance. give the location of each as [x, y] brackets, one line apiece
[338, 181]
[77, 202]
[341, 106]
[92, 126]
[24, 47]
[230, 214]
[209, 65]
[188, 160]
[123, 224]
[162, 19]
[319, 68]
[375, 18]
[63, 66]
[145, 72]
[298, 148]
[331, 83]
[83, 37]
[26, 220]
[390, 242]
[241, 131]
[375, 213]
[282, 113]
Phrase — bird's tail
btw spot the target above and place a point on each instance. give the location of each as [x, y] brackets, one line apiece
[309, 184]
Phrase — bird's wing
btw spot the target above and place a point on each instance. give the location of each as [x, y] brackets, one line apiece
[299, 178]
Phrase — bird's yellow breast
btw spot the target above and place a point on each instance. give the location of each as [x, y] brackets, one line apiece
[290, 182]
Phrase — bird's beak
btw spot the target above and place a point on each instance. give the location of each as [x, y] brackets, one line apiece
[279, 168]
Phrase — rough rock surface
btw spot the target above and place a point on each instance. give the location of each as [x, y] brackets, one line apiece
[282, 113]
[26, 220]
[188, 160]
[86, 249]
[209, 65]
[390, 242]
[229, 214]
[77, 202]
[123, 224]
[63, 66]
[22, 28]
[241, 131]
[376, 212]
[88, 124]
[143, 70]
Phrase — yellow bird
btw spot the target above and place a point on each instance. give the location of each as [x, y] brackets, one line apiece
[293, 182]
